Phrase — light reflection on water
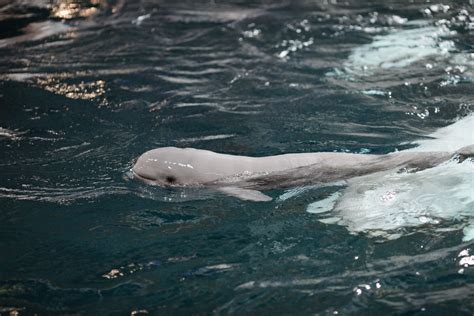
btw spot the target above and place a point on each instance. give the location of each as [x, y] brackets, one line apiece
[87, 86]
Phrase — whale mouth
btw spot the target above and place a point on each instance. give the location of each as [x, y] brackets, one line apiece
[143, 178]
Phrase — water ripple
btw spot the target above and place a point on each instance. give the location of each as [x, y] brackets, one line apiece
[87, 86]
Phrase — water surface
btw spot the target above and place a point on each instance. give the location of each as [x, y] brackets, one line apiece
[87, 86]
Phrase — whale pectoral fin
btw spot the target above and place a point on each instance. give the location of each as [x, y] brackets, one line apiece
[465, 152]
[245, 194]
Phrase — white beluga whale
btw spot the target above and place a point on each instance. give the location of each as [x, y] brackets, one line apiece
[245, 177]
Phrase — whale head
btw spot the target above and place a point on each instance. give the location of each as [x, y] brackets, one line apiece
[171, 166]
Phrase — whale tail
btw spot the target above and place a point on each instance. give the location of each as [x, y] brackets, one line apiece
[453, 138]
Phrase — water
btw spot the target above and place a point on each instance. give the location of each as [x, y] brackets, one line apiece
[87, 86]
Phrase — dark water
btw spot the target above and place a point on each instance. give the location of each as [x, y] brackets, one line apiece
[87, 86]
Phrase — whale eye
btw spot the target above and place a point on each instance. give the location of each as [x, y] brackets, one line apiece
[170, 179]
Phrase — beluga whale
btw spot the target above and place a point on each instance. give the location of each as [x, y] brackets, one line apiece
[246, 177]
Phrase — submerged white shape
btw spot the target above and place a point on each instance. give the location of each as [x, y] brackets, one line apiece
[383, 204]
[444, 192]
[400, 48]
[325, 205]
[245, 194]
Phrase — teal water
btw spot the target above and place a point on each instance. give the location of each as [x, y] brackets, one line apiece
[87, 86]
